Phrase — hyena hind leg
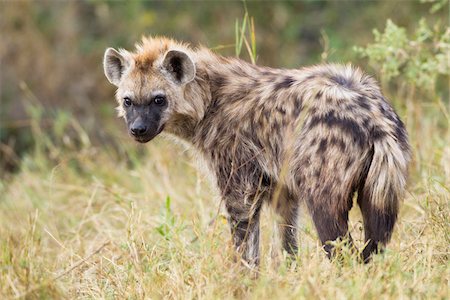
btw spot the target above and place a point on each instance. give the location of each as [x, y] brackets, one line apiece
[330, 219]
[378, 225]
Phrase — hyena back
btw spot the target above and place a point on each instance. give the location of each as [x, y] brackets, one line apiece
[317, 134]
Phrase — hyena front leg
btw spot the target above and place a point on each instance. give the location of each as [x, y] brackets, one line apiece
[287, 208]
[244, 225]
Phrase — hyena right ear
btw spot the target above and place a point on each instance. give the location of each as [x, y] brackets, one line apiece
[114, 64]
[179, 66]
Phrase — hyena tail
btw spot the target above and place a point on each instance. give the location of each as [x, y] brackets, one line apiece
[380, 193]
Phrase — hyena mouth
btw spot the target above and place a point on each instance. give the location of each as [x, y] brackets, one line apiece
[143, 139]
[148, 137]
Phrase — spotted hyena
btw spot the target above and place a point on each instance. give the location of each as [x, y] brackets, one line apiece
[318, 134]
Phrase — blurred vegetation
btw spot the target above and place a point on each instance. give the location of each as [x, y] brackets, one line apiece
[414, 72]
[51, 51]
[419, 61]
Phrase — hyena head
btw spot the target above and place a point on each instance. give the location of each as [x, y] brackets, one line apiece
[150, 85]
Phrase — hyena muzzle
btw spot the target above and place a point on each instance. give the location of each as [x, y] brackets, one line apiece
[320, 135]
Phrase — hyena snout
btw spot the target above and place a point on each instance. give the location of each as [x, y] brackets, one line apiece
[138, 128]
[144, 131]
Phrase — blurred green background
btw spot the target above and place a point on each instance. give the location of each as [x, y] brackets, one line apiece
[51, 51]
[85, 212]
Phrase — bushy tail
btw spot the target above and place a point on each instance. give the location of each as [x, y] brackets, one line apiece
[382, 190]
[386, 179]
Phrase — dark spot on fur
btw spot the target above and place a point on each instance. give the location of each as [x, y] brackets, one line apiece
[314, 121]
[219, 82]
[304, 162]
[250, 136]
[378, 134]
[237, 70]
[350, 107]
[267, 73]
[349, 163]
[204, 134]
[238, 95]
[399, 128]
[281, 110]
[317, 173]
[348, 126]
[299, 178]
[231, 209]
[310, 77]
[342, 81]
[260, 122]
[313, 110]
[326, 191]
[365, 80]
[363, 103]
[383, 107]
[322, 146]
[297, 107]
[307, 158]
[392, 117]
[270, 79]
[266, 180]
[276, 127]
[243, 87]
[366, 123]
[286, 83]
[329, 99]
[276, 150]
[401, 135]
[319, 95]
[338, 142]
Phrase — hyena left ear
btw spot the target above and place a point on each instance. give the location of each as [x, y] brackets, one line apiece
[180, 66]
[114, 65]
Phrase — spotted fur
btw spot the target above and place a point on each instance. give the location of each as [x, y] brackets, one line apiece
[318, 134]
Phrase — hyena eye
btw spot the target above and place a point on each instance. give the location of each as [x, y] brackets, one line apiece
[159, 100]
[127, 102]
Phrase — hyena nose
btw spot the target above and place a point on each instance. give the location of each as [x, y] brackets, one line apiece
[138, 129]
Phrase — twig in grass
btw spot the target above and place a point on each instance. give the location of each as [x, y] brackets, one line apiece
[65, 272]
[80, 262]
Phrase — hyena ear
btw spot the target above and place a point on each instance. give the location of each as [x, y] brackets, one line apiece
[180, 66]
[114, 64]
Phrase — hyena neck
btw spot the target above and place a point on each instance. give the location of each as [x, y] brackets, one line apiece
[228, 79]
[219, 81]
[197, 99]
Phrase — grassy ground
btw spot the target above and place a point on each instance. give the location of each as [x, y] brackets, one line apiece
[84, 221]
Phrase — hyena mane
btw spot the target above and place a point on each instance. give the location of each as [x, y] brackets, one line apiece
[317, 135]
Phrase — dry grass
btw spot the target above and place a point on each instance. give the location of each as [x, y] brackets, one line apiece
[94, 222]
[85, 221]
